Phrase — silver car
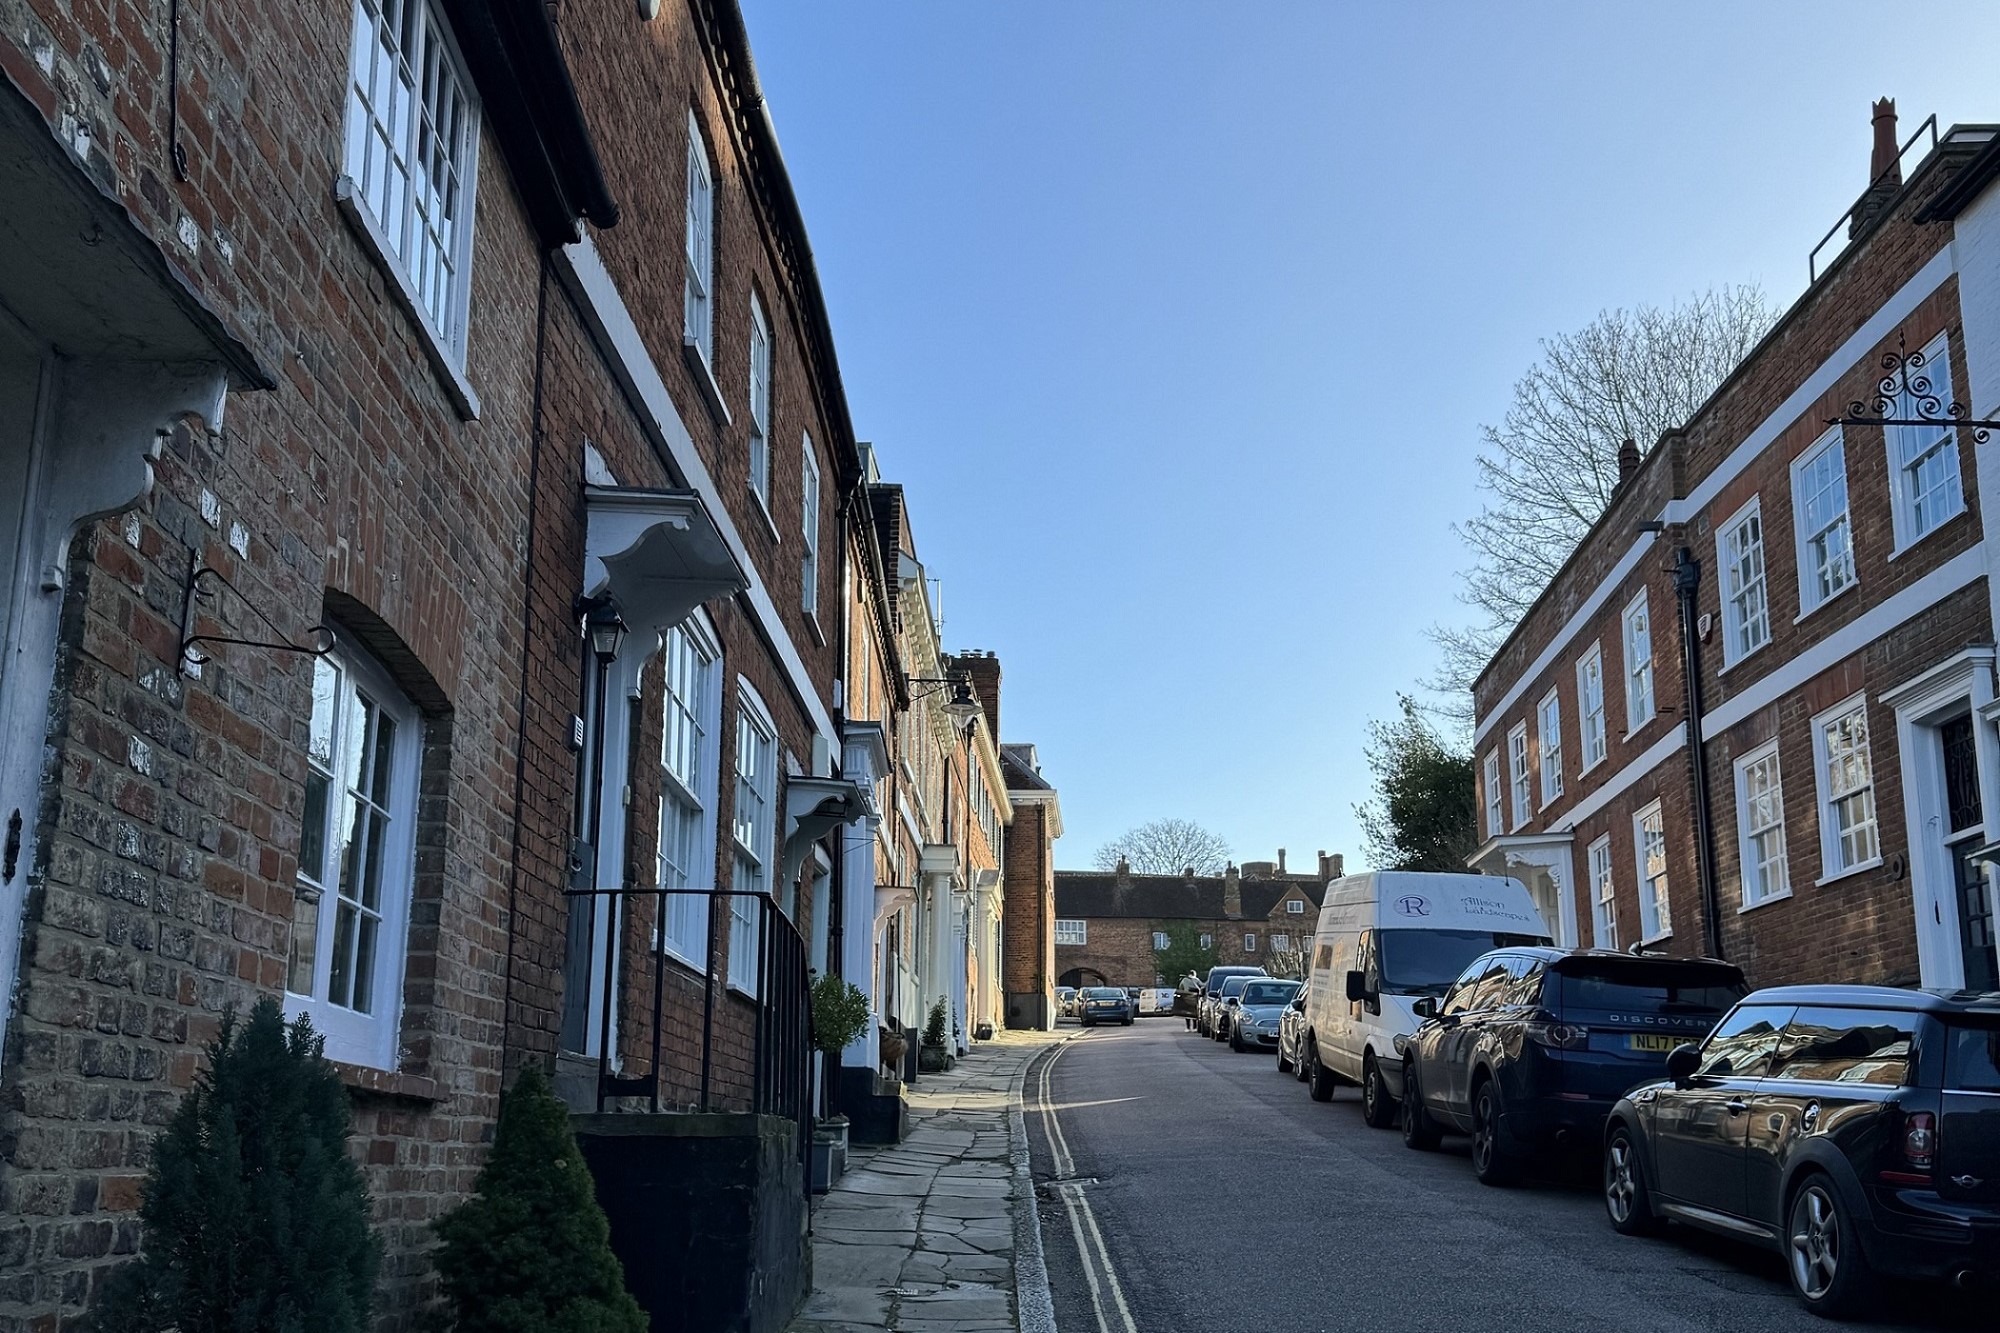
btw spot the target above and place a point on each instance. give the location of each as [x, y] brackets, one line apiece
[1254, 1021]
[1292, 1037]
[1222, 1008]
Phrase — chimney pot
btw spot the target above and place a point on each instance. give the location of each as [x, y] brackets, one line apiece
[1884, 158]
[1628, 459]
[1123, 871]
[1281, 860]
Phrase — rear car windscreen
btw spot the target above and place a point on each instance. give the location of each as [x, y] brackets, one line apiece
[1269, 992]
[1640, 986]
[1972, 1059]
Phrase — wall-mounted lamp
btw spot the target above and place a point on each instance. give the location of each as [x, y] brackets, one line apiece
[605, 627]
[963, 706]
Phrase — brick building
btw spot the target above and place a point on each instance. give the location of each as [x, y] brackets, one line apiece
[1028, 929]
[1813, 803]
[1110, 927]
[429, 601]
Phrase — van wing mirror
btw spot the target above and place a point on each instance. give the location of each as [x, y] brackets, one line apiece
[1357, 987]
[1682, 1061]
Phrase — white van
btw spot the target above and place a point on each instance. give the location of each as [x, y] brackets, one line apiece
[1385, 940]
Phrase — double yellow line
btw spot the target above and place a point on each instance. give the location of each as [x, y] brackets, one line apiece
[1107, 1296]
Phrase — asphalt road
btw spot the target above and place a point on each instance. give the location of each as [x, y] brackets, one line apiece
[1221, 1199]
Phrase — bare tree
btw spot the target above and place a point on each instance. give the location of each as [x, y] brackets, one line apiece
[1551, 465]
[1166, 847]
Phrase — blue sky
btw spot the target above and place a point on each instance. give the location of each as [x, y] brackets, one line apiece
[1179, 320]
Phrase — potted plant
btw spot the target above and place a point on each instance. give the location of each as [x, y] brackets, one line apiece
[890, 1048]
[933, 1057]
[839, 1015]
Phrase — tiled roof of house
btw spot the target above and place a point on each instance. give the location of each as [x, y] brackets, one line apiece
[1083, 893]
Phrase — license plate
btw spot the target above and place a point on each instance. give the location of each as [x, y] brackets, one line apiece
[1652, 1041]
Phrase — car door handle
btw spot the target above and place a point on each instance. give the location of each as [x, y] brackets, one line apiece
[1736, 1105]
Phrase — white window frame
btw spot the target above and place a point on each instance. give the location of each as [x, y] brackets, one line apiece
[379, 168]
[342, 678]
[1833, 858]
[1825, 543]
[698, 255]
[760, 408]
[1207, 940]
[1761, 818]
[1636, 629]
[1595, 740]
[752, 838]
[1161, 941]
[809, 529]
[1249, 941]
[1745, 583]
[1075, 932]
[1294, 907]
[1603, 895]
[691, 725]
[1655, 889]
[1910, 447]
[1496, 796]
[1280, 942]
[1549, 739]
[1517, 772]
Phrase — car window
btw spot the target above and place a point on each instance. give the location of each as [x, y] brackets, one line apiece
[1460, 995]
[1524, 985]
[1491, 986]
[1741, 1045]
[1828, 1045]
[1268, 992]
[1234, 986]
[1649, 985]
[1972, 1059]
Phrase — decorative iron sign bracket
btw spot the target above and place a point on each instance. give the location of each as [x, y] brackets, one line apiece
[1905, 382]
[193, 658]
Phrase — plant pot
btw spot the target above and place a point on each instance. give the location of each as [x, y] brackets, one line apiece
[933, 1059]
[892, 1047]
[829, 1153]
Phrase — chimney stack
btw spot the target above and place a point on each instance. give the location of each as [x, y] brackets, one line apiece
[1281, 860]
[1232, 893]
[984, 668]
[1123, 873]
[1885, 170]
[1331, 867]
[1628, 460]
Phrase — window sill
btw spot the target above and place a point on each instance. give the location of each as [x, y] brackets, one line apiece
[1728, 667]
[1660, 938]
[1827, 601]
[1833, 876]
[450, 374]
[704, 378]
[1632, 729]
[1903, 548]
[812, 624]
[745, 992]
[389, 1083]
[764, 512]
[1594, 764]
[673, 955]
[1765, 901]
[1548, 801]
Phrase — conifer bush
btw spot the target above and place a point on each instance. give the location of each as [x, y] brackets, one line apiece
[255, 1218]
[530, 1252]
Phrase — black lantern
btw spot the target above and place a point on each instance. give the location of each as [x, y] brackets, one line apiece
[963, 707]
[606, 629]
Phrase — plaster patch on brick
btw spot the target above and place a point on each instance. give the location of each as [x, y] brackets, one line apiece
[188, 233]
[132, 531]
[211, 508]
[239, 539]
[139, 755]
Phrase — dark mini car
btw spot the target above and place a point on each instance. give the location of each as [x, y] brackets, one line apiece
[1532, 1046]
[1853, 1129]
[1105, 1004]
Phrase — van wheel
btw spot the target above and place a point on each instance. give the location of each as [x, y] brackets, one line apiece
[1419, 1130]
[1823, 1253]
[1319, 1079]
[1378, 1108]
[1490, 1162]
[1626, 1201]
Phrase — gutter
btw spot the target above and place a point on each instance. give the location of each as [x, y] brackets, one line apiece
[1687, 581]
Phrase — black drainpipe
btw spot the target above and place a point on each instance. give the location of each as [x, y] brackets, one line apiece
[1687, 581]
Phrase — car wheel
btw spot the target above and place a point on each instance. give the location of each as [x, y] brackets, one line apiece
[1299, 1067]
[1490, 1162]
[1419, 1130]
[1128, 1022]
[1236, 1042]
[1284, 1065]
[1626, 1201]
[1378, 1108]
[1823, 1254]
[1319, 1079]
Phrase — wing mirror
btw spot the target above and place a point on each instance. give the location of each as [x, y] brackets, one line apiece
[1233, 1002]
[1357, 987]
[1682, 1061]
[1425, 1007]
[1299, 1003]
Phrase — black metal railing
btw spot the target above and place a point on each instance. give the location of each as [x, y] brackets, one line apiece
[780, 1029]
[1868, 198]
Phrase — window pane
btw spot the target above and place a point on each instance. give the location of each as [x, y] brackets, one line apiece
[1847, 1046]
[312, 830]
[1741, 1045]
[305, 942]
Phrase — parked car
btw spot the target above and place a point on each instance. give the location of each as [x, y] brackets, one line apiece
[1386, 939]
[1254, 1020]
[1530, 1048]
[1292, 1037]
[1205, 1009]
[1106, 1004]
[1065, 1002]
[1223, 1007]
[1853, 1129]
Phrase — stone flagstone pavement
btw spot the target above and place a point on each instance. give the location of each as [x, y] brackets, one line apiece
[937, 1234]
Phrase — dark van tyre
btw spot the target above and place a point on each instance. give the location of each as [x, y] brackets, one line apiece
[1626, 1202]
[1319, 1079]
[1419, 1130]
[1823, 1252]
[1490, 1162]
[1378, 1108]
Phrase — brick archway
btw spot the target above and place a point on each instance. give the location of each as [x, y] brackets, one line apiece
[1076, 977]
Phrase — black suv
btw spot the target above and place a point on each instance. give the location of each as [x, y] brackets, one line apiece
[1530, 1047]
[1854, 1129]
